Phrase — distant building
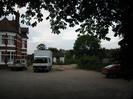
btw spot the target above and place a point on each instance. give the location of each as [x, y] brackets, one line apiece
[13, 41]
[58, 57]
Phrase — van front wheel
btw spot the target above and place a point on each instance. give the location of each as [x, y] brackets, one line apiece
[34, 69]
[50, 68]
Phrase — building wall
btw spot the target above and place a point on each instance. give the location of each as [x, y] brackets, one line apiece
[9, 50]
[54, 59]
[62, 59]
[15, 48]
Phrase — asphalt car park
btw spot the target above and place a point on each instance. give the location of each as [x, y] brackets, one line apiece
[65, 83]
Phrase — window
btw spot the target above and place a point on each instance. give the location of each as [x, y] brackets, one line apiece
[9, 56]
[11, 40]
[25, 44]
[49, 60]
[0, 39]
[3, 56]
[41, 60]
[12, 56]
[3, 39]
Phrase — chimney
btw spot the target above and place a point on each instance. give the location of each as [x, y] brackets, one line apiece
[17, 17]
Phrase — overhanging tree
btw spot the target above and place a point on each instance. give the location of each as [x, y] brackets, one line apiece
[86, 45]
[94, 16]
[87, 50]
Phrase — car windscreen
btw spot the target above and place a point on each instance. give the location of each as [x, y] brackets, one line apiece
[41, 60]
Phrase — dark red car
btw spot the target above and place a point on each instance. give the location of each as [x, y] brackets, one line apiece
[113, 70]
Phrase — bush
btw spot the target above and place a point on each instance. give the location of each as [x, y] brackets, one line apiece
[59, 63]
[70, 61]
[29, 63]
[90, 63]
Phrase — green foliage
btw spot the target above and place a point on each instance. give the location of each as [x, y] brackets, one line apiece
[69, 57]
[41, 47]
[91, 63]
[59, 63]
[86, 45]
[86, 62]
[29, 63]
[30, 59]
[94, 16]
[113, 55]
[57, 53]
[70, 60]
[88, 52]
[54, 50]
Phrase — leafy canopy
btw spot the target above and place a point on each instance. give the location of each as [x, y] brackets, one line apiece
[94, 16]
[86, 45]
[41, 47]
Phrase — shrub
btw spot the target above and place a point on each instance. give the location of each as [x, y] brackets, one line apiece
[89, 62]
[70, 61]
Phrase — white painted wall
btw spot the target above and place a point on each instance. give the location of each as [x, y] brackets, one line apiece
[54, 59]
[62, 59]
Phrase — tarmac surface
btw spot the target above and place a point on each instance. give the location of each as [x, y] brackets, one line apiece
[62, 84]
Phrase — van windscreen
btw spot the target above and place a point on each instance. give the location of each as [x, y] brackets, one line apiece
[41, 60]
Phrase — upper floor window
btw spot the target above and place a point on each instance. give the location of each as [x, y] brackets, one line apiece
[0, 39]
[7, 39]
[4, 39]
[11, 40]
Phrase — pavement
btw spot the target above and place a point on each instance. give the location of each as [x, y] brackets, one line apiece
[67, 83]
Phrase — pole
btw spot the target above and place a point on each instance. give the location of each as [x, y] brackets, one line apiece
[6, 42]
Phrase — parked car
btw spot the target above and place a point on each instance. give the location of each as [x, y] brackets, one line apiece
[19, 64]
[113, 70]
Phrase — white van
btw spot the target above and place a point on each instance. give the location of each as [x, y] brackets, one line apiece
[42, 60]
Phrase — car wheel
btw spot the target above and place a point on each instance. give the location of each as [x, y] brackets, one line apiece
[12, 68]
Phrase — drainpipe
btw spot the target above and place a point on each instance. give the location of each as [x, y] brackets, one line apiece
[15, 49]
[6, 42]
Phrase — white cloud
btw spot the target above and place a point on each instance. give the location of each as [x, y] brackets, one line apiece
[42, 34]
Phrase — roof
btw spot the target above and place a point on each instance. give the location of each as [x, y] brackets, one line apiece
[13, 26]
[8, 26]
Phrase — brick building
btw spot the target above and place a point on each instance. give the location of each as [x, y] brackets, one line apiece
[13, 41]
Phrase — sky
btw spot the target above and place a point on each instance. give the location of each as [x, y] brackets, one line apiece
[65, 40]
